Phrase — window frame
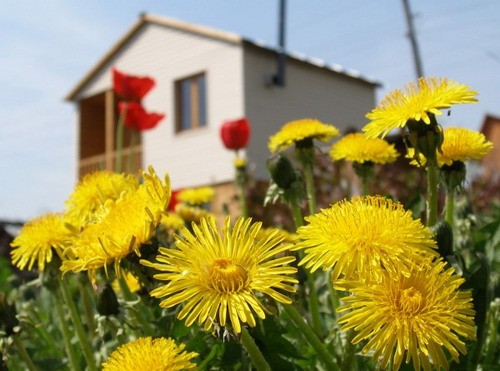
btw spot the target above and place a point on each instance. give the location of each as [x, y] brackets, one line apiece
[197, 103]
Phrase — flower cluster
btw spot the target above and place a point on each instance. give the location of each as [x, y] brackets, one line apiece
[160, 264]
[132, 90]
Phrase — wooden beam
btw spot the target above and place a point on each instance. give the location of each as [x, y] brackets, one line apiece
[109, 129]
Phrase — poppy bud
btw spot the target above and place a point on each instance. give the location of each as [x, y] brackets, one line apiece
[235, 133]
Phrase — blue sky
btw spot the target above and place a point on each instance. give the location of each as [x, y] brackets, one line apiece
[47, 46]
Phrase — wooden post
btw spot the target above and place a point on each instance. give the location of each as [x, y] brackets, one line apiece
[109, 130]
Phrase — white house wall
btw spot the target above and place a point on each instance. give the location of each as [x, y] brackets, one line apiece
[196, 157]
[309, 92]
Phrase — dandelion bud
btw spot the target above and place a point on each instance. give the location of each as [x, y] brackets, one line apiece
[281, 170]
[107, 303]
[426, 138]
[444, 238]
[453, 176]
[8, 320]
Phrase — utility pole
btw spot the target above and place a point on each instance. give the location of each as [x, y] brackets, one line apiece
[279, 78]
[413, 39]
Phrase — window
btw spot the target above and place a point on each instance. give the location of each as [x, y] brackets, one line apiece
[191, 106]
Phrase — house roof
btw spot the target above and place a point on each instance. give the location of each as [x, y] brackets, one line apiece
[225, 36]
[488, 124]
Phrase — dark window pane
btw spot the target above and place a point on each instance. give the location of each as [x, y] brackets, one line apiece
[202, 100]
[186, 105]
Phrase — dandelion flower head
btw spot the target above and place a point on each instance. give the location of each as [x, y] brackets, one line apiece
[416, 101]
[38, 240]
[196, 196]
[219, 275]
[93, 190]
[159, 354]
[122, 228]
[418, 314]
[356, 147]
[299, 130]
[172, 221]
[191, 214]
[131, 281]
[356, 237]
[459, 144]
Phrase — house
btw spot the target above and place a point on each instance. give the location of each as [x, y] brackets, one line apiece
[204, 77]
[491, 162]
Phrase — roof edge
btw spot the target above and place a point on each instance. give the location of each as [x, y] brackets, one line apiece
[152, 19]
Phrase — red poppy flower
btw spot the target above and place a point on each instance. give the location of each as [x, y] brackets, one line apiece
[174, 200]
[131, 87]
[235, 133]
[137, 117]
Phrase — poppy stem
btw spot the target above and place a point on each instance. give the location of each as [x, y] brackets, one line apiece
[253, 350]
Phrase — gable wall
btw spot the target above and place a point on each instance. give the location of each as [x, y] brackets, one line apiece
[310, 92]
[196, 157]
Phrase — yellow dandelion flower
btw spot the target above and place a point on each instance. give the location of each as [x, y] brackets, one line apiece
[93, 190]
[38, 240]
[418, 314]
[172, 221]
[124, 225]
[159, 354]
[132, 282]
[356, 147]
[196, 196]
[299, 130]
[240, 162]
[219, 275]
[356, 237]
[287, 236]
[459, 144]
[416, 102]
[191, 214]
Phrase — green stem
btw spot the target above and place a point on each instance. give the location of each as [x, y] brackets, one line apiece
[365, 186]
[131, 154]
[119, 140]
[66, 333]
[311, 194]
[313, 302]
[492, 344]
[78, 325]
[450, 206]
[253, 350]
[334, 297]
[297, 215]
[145, 325]
[349, 352]
[243, 200]
[23, 353]
[311, 337]
[432, 194]
[87, 304]
[312, 298]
